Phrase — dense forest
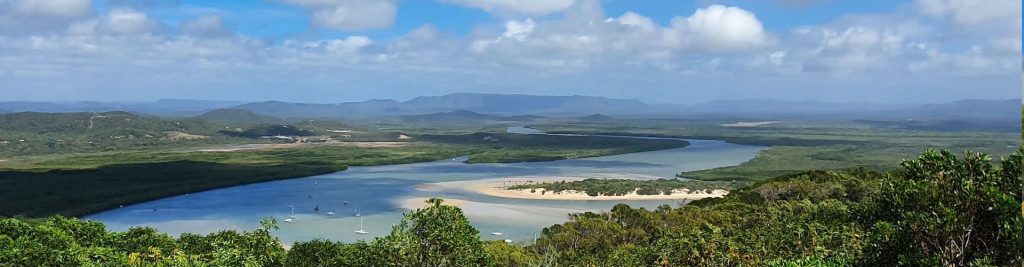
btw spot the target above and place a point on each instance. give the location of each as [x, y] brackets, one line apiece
[937, 209]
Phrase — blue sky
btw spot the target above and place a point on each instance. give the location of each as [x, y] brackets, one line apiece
[659, 51]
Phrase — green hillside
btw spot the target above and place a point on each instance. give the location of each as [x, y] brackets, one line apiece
[237, 116]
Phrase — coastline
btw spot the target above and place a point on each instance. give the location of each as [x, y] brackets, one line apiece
[495, 189]
[498, 188]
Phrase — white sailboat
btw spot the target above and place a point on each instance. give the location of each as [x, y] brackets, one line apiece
[330, 213]
[291, 217]
[361, 230]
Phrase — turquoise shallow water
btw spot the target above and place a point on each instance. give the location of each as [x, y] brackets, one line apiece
[375, 192]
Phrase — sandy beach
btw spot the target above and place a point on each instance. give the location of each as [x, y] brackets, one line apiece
[495, 213]
[497, 188]
[750, 123]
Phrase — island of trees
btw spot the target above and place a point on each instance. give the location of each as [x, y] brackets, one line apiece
[620, 187]
[936, 210]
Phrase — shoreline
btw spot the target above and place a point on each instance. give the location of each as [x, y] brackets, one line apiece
[498, 188]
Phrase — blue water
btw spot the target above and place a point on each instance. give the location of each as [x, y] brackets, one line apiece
[376, 193]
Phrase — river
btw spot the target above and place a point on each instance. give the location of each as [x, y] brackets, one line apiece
[376, 193]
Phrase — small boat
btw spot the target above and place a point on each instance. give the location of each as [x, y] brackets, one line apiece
[497, 233]
[357, 213]
[330, 213]
[361, 230]
[289, 220]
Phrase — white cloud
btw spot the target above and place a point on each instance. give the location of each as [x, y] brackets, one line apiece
[128, 21]
[124, 49]
[351, 15]
[26, 17]
[516, 7]
[206, 26]
[973, 12]
[55, 8]
[997, 20]
[722, 29]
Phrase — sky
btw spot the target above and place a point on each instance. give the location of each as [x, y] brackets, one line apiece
[658, 51]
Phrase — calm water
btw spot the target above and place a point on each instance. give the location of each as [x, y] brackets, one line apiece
[375, 192]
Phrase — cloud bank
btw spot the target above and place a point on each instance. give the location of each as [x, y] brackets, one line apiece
[931, 50]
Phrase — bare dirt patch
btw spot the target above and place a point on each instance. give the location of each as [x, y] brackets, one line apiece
[247, 147]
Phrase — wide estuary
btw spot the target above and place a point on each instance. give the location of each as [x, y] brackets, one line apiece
[326, 206]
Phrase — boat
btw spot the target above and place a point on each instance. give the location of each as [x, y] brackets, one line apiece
[330, 213]
[289, 220]
[361, 230]
[497, 233]
[357, 213]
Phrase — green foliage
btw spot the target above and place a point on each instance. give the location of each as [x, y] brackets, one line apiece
[260, 131]
[71, 242]
[438, 235]
[953, 211]
[937, 210]
[79, 192]
[500, 147]
[619, 187]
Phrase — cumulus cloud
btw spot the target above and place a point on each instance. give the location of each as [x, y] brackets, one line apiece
[128, 21]
[584, 48]
[997, 20]
[720, 28]
[973, 12]
[206, 26]
[55, 8]
[351, 15]
[516, 7]
[21, 17]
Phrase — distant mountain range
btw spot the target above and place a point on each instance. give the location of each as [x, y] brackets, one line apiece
[465, 115]
[514, 107]
[163, 107]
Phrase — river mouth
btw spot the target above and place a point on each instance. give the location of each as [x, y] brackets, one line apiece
[380, 194]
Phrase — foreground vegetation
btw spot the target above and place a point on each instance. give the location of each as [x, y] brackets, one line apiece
[936, 210]
[619, 187]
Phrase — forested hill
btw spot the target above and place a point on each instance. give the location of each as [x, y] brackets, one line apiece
[105, 123]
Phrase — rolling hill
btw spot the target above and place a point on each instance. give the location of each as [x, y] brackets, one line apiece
[237, 116]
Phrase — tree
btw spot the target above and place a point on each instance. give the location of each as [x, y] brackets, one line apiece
[943, 210]
[438, 235]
